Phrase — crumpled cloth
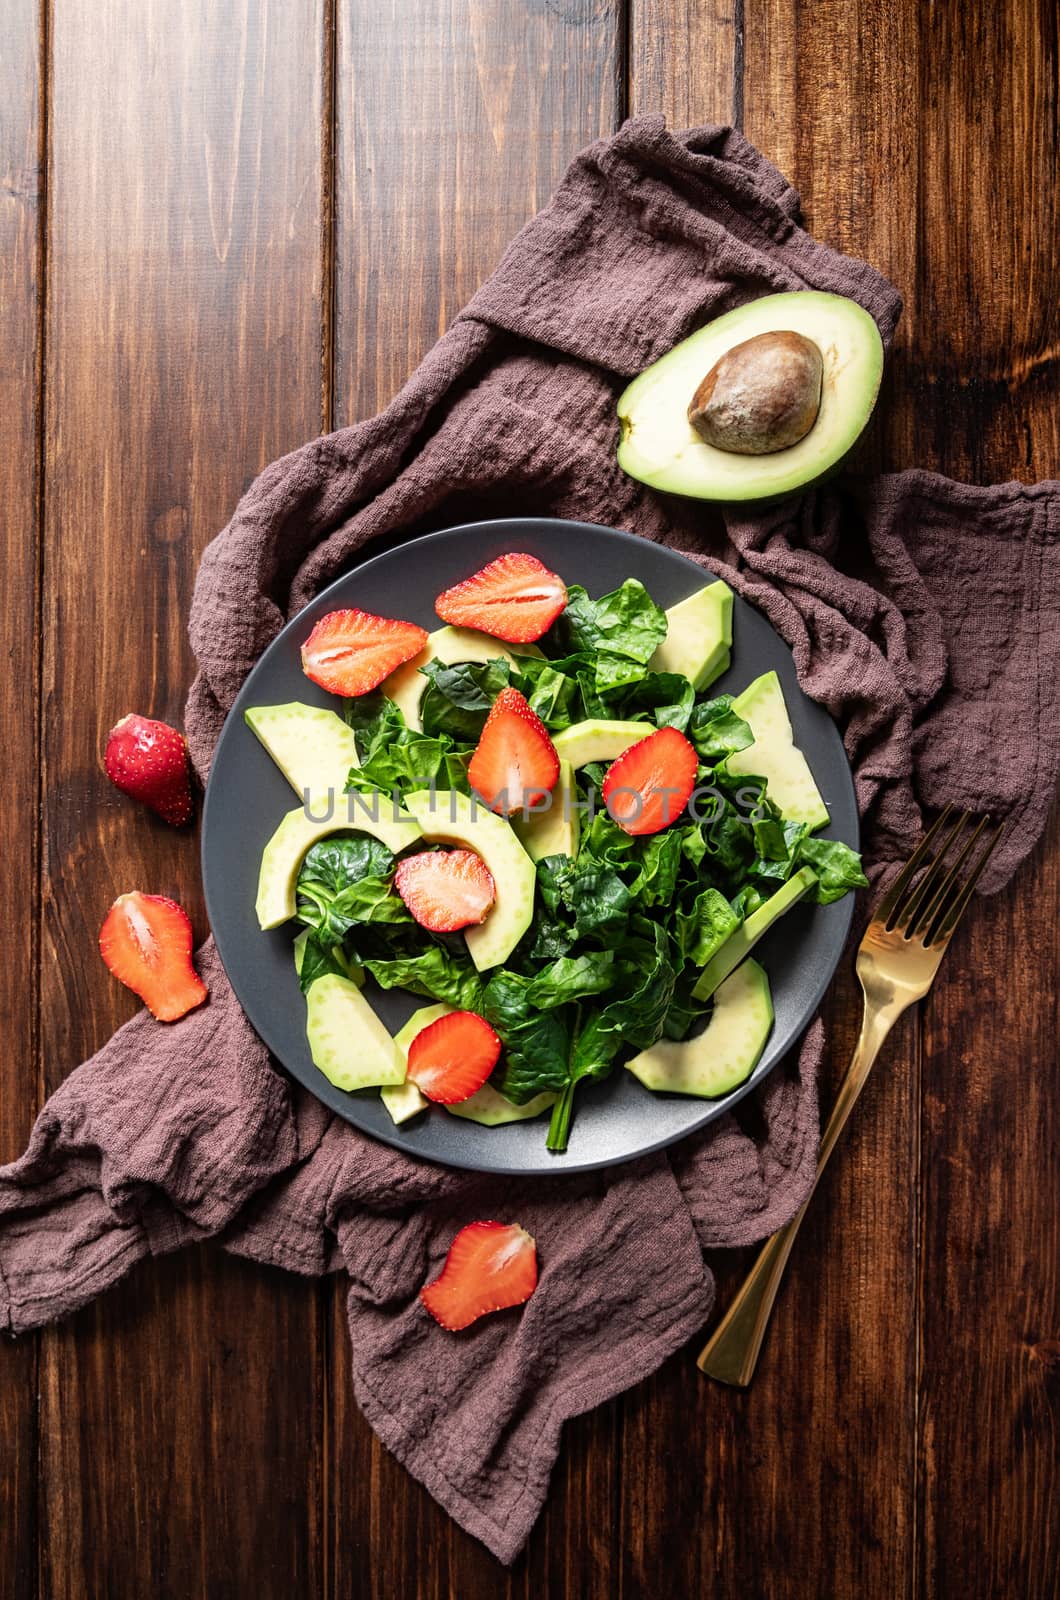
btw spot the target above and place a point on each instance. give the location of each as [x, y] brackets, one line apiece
[924, 614]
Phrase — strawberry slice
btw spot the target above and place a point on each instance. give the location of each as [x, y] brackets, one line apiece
[148, 761]
[351, 652]
[146, 942]
[490, 1266]
[648, 787]
[515, 762]
[515, 598]
[451, 1058]
[446, 889]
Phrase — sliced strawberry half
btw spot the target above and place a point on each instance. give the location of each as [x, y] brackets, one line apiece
[515, 762]
[490, 1266]
[446, 889]
[148, 761]
[351, 652]
[146, 942]
[648, 787]
[515, 598]
[452, 1058]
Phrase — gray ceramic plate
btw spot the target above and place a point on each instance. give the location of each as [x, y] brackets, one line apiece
[246, 797]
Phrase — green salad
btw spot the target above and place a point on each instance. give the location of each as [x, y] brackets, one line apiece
[603, 946]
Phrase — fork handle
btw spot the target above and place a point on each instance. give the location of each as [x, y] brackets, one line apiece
[731, 1352]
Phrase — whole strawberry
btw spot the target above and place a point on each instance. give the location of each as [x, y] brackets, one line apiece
[149, 761]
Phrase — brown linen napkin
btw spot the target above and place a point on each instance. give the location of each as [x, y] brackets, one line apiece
[925, 615]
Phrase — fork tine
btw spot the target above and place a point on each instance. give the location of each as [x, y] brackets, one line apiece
[887, 905]
[948, 915]
[927, 910]
[926, 887]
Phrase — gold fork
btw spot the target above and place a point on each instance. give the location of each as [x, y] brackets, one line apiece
[897, 962]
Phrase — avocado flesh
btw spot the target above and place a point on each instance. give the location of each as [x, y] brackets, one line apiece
[774, 755]
[716, 1061]
[313, 747]
[743, 939]
[698, 636]
[404, 1100]
[347, 1041]
[598, 739]
[554, 832]
[406, 684]
[491, 1109]
[448, 817]
[660, 447]
[282, 857]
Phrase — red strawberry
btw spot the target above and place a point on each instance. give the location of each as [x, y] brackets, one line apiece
[451, 1058]
[149, 761]
[648, 787]
[490, 1266]
[146, 942]
[446, 889]
[515, 762]
[514, 598]
[351, 652]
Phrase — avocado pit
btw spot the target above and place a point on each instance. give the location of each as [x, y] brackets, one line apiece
[762, 395]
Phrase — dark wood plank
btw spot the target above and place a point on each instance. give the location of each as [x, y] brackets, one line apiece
[455, 120]
[817, 1458]
[180, 1416]
[21, 212]
[984, 403]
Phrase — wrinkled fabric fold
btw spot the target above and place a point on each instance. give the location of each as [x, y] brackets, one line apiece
[925, 615]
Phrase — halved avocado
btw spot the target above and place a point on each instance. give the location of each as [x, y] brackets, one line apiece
[598, 739]
[281, 858]
[774, 755]
[717, 1060]
[743, 939]
[698, 636]
[554, 832]
[347, 1041]
[313, 747]
[448, 817]
[405, 686]
[660, 446]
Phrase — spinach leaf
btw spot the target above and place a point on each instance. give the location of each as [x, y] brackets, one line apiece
[705, 928]
[430, 970]
[457, 699]
[315, 958]
[619, 632]
[535, 1042]
[345, 880]
[571, 978]
[659, 861]
[665, 698]
[838, 868]
[716, 730]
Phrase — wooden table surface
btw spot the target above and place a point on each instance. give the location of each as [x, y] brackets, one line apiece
[225, 226]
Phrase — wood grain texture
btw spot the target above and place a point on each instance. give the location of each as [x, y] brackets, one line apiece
[183, 353]
[686, 60]
[22, 199]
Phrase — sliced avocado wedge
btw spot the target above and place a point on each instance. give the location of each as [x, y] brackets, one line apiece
[716, 1061]
[598, 739]
[744, 938]
[774, 755]
[282, 857]
[447, 645]
[698, 636]
[448, 817]
[406, 1101]
[660, 447]
[313, 747]
[491, 1109]
[347, 1041]
[554, 832]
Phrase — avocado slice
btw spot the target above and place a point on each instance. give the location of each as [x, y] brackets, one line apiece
[598, 739]
[405, 1100]
[347, 1041]
[698, 636]
[282, 857]
[491, 1109]
[313, 747]
[744, 938]
[714, 1062]
[406, 684]
[660, 447]
[554, 832]
[448, 817]
[774, 755]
